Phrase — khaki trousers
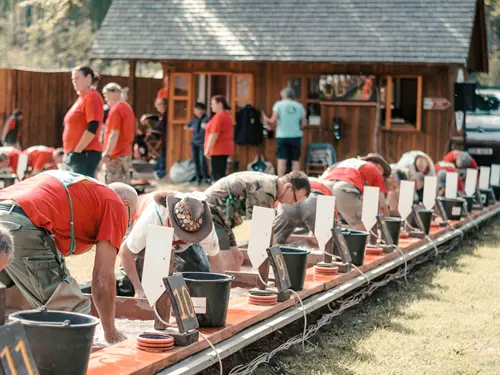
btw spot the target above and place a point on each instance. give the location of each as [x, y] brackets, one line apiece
[40, 274]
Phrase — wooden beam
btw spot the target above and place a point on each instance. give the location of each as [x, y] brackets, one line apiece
[132, 83]
[419, 103]
[388, 102]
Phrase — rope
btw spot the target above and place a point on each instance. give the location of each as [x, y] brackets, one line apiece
[214, 351]
[201, 334]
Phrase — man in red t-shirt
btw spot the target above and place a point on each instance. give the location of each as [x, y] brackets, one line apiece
[442, 168]
[38, 212]
[43, 158]
[302, 214]
[462, 161]
[9, 157]
[118, 137]
[347, 180]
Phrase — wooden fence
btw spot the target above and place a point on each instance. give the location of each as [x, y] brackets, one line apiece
[45, 98]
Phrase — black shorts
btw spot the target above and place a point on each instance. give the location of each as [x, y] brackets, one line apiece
[288, 148]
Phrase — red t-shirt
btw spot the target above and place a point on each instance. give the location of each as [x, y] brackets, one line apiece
[451, 157]
[13, 156]
[88, 107]
[99, 214]
[222, 124]
[449, 167]
[40, 158]
[122, 118]
[358, 173]
[162, 93]
[318, 187]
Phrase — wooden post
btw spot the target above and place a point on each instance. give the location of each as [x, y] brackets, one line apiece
[163, 303]
[132, 83]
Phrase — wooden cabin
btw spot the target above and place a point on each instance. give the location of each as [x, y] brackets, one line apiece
[383, 69]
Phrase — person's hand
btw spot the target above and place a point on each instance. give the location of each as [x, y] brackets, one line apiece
[139, 294]
[114, 336]
[207, 154]
[105, 158]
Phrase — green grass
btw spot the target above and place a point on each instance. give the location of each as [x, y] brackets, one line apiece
[445, 321]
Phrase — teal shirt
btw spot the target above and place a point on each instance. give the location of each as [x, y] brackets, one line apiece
[290, 115]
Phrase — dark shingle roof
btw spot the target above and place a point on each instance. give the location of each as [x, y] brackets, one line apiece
[403, 31]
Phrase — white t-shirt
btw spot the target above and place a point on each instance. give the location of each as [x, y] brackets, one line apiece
[136, 240]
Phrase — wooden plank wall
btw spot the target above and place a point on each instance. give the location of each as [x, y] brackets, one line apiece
[46, 96]
[358, 121]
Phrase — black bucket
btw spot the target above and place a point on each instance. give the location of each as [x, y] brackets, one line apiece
[296, 263]
[470, 203]
[60, 341]
[394, 227]
[356, 242]
[485, 197]
[426, 218]
[453, 207]
[216, 288]
[496, 191]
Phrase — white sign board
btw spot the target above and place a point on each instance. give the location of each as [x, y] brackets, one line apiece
[484, 178]
[451, 185]
[260, 235]
[156, 261]
[22, 165]
[470, 182]
[325, 214]
[370, 207]
[406, 192]
[430, 192]
[495, 174]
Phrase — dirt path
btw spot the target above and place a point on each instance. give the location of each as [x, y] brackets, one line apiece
[445, 321]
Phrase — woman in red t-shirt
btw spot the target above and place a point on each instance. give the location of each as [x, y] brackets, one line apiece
[82, 124]
[219, 137]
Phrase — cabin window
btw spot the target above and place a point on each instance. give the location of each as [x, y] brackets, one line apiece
[306, 88]
[401, 102]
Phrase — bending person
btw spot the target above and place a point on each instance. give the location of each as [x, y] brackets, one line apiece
[189, 216]
[39, 212]
[347, 181]
[302, 214]
[233, 198]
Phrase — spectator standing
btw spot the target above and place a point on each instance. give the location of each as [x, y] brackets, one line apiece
[118, 136]
[11, 135]
[82, 124]
[288, 117]
[219, 137]
[197, 126]
[161, 105]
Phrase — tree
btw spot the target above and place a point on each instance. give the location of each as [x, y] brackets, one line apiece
[49, 33]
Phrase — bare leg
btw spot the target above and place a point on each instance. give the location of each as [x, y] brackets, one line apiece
[296, 165]
[281, 167]
[216, 263]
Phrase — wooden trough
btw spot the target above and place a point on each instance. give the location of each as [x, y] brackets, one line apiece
[246, 323]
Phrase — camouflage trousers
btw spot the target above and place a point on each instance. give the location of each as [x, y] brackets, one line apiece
[118, 170]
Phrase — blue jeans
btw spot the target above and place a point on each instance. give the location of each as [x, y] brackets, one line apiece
[199, 162]
[85, 162]
[160, 166]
